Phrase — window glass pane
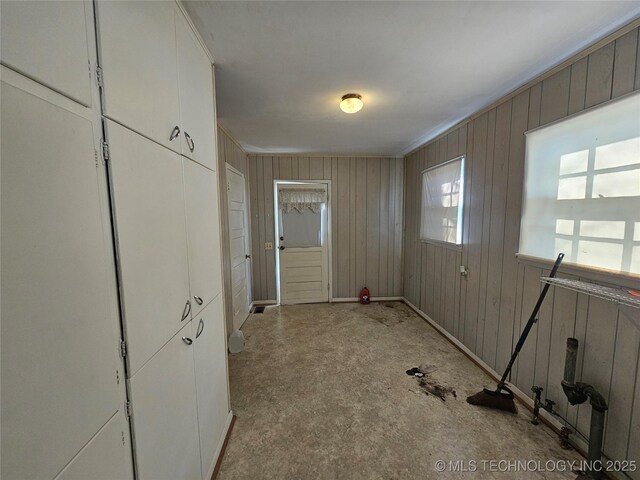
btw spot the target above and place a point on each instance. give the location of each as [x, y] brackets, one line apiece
[584, 172]
[302, 229]
[442, 188]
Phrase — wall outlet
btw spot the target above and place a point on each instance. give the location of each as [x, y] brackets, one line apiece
[268, 246]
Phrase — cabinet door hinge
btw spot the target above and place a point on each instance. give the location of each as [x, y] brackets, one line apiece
[128, 408]
[117, 377]
[105, 150]
[123, 348]
[99, 79]
[123, 440]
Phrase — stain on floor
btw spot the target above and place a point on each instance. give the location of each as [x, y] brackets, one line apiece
[320, 392]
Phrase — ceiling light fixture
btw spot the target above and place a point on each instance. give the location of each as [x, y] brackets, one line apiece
[351, 103]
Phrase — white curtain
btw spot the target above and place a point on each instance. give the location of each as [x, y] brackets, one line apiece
[582, 188]
[301, 199]
[442, 202]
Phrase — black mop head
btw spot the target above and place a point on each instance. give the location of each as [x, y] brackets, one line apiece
[496, 399]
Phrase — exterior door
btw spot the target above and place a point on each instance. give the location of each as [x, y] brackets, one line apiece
[303, 251]
[239, 245]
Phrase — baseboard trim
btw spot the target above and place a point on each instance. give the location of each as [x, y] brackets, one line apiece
[230, 423]
[373, 299]
[546, 418]
[257, 303]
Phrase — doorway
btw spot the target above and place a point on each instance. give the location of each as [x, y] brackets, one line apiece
[303, 250]
[238, 246]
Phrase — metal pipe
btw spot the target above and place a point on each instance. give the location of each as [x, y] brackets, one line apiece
[596, 432]
[570, 361]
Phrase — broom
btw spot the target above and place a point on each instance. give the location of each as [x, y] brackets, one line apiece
[502, 397]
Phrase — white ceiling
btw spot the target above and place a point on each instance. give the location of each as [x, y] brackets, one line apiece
[421, 67]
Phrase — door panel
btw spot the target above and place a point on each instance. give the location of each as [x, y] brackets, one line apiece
[303, 251]
[106, 457]
[49, 42]
[196, 96]
[138, 59]
[238, 241]
[58, 315]
[211, 380]
[152, 242]
[165, 423]
[201, 189]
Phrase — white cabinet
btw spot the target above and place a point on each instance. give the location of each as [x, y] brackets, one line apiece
[211, 381]
[33, 35]
[148, 198]
[138, 59]
[203, 228]
[107, 456]
[59, 365]
[196, 96]
[164, 413]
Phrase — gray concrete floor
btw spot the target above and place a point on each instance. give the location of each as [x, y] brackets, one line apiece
[320, 392]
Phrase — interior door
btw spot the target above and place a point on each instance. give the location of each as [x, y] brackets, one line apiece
[212, 392]
[149, 209]
[59, 314]
[138, 58]
[303, 251]
[165, 422]
[239, 245]
[203, 231]
[195, 83]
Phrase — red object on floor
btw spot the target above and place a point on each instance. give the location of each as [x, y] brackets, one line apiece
[364, 296]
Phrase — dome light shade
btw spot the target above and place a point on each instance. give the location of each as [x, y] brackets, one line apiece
[351, 103]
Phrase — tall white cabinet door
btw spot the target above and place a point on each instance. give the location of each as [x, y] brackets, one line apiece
[49, 42]
[59, 347]
[138, 59]
[106, 457]
[201, 189]
[196, 96]
[152, 244]
[165, 423]
[211, 382]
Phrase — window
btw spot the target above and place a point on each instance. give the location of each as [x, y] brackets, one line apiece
[582, 188]
[442, 188]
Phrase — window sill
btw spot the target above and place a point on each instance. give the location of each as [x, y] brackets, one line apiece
[594, 274]
[448, 246]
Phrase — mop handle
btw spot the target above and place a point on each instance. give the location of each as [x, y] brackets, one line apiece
[532, 320]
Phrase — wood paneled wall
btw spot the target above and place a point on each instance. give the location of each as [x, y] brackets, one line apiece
[366, 220]
[229, 152]
[488, 309]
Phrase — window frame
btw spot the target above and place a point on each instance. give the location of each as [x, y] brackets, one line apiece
[460, 226]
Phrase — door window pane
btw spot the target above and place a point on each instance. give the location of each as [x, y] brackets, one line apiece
[302, 229]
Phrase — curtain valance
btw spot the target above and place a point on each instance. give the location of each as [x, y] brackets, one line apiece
[301, 199]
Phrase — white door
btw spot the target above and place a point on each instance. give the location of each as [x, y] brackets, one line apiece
[59, 328]
[239, 245]
[195, 80]
[203, 232]
[165, 422]
[148, 199]
[138, 59]
[303, 250]
[212, 392]
[50, 42]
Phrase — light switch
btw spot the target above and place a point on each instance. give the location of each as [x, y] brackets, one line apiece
[268, 246]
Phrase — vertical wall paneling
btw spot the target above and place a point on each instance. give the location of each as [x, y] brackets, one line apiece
[366, 223]
[488, 309]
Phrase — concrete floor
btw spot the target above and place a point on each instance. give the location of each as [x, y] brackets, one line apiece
[320, 392]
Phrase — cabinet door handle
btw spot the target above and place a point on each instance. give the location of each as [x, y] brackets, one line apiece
[187, 340]
[191, 144]
[174, 133]
[200, 328]
[186, 311]
[198, 300]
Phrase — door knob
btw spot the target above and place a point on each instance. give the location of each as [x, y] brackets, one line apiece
[281, 247]
[281, 238]
[247, 256]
